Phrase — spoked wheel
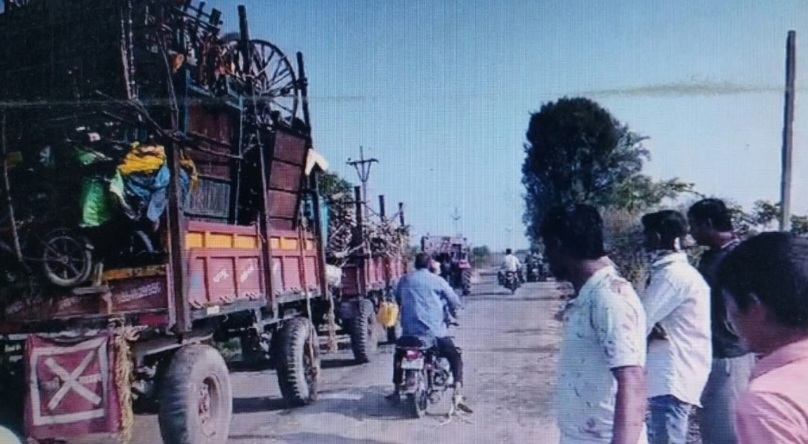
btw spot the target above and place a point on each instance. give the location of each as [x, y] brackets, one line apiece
[275, 85]
[66, 258]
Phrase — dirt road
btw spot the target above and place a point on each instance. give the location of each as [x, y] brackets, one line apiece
[509, 346]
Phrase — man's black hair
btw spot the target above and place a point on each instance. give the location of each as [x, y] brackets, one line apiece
[579, 228]
[712, 211]
[508, 251]
[772, 268]
[668, 224]
[422, 261]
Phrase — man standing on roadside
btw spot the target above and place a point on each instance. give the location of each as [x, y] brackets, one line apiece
[601, 382]
[711, 226]
[765, 283]
[677, 307]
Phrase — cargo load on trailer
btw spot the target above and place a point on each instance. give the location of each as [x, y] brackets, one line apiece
[159, 196]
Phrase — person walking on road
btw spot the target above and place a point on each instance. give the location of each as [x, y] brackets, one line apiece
[601, 382]
[424, 298]
[765, 281]
[711, 226]
[677, 309]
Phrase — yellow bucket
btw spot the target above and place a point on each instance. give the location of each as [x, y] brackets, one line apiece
[388, 314]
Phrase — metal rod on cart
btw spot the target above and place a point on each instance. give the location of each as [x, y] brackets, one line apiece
[401, 213]
[381, 208]
[7, 186]
[176, 221]
[303, 84]
[321, 239]
[359, 240]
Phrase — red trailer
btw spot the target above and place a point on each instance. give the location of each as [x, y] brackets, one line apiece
[210, 223]
[368, 278]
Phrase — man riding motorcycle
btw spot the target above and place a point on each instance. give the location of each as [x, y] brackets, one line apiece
[510, 263]
[423, 298]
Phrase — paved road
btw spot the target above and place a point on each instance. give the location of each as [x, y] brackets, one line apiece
[509, 345]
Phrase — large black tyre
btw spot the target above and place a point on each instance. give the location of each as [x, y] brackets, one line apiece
[196, 399]
[298, 372]
[466, 281]
[364, 332]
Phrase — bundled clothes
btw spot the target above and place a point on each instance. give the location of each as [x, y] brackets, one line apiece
[138, 186]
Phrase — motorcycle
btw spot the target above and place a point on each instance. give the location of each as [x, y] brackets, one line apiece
[427, 375]
[535, 273]
[511, 281]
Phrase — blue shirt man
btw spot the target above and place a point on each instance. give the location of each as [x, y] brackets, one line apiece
[423, 298]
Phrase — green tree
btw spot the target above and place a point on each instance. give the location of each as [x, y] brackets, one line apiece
[577, 152]
[763, 217]
[640, 193]
[333, 187]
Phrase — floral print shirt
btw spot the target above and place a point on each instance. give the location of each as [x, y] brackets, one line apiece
[604, 329]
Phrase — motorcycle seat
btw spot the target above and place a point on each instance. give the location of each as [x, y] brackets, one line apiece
[411, 342]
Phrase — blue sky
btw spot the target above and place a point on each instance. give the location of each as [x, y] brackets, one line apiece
[441, 91]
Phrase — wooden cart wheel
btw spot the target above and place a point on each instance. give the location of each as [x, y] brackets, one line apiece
[276, 88]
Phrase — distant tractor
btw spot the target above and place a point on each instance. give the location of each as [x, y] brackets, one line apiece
[453, 254]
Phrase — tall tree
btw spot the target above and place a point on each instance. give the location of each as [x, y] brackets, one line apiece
[576, 151]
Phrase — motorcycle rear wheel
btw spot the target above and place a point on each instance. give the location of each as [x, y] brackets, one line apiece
[417, 402]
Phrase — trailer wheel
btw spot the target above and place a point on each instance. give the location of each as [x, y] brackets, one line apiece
[364, 339]
[466, 282]
[196, 399]
[297, 371]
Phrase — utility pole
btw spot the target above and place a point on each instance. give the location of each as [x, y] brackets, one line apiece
[788, 120]
[455, 218]
[362, 167]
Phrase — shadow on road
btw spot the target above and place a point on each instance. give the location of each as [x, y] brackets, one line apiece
[359, 404]
[338, 363]
[312, 438]
[247, 367]
[516, 297]
[258, 404]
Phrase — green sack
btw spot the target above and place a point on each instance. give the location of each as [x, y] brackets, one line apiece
[94, 205]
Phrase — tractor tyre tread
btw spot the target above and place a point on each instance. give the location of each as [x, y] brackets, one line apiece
[364, 340]
[291, 365]
[189, 367]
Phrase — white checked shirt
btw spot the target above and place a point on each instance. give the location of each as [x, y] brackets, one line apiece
[510, 263]
[604, 328]
[678, 299]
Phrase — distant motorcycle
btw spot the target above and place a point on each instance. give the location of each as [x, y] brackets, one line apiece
[427, 375]
[511, 281]
[535, 273]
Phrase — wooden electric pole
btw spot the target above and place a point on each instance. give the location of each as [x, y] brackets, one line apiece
[362, 167]
[788, 120]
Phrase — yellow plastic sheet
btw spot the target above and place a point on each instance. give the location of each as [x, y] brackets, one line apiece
[143, 159]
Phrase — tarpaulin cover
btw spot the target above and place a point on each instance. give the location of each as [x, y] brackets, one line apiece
[71, 387]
